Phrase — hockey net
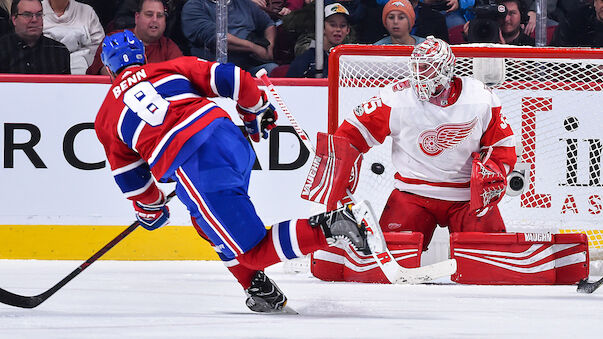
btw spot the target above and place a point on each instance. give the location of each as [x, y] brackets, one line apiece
[551, 97]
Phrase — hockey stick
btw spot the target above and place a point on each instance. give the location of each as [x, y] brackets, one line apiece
[17, 300]
[589, 287]
[395, 273]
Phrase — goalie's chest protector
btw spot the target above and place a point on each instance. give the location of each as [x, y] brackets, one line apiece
[432, 145]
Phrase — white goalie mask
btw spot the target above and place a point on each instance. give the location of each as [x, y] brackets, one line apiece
[431, 68]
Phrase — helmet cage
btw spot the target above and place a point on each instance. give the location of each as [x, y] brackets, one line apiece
[431, 67]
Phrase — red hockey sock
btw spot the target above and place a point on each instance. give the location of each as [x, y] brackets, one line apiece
[242, 273]
[286, 240]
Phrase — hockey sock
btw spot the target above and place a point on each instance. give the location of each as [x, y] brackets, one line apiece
[242, 273]
[286, 240]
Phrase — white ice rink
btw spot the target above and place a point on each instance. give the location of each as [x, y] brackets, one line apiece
[197, 299]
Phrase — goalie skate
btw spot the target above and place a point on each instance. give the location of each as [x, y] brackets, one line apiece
[340, 224]
[264, 296]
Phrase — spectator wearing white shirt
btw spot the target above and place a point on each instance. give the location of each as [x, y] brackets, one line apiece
[77, 26]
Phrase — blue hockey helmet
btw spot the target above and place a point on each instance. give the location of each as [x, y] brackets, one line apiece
[122, 49]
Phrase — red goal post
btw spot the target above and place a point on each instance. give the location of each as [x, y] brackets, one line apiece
[553, 100]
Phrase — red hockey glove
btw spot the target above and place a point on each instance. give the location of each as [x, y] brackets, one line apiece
[334, 168]
[488, 184]
[265, 113]
[151, 217]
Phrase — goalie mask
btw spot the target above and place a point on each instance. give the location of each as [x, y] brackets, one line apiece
[431, 68]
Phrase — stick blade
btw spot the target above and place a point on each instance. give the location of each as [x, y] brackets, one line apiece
[588, 287]
[426, 273]
[16, 300]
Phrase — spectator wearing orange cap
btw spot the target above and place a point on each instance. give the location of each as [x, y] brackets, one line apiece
[398, 18]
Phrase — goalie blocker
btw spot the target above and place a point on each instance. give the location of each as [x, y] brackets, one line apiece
[482, 259]
[334, 169]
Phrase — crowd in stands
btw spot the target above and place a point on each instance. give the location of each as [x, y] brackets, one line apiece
[64, 36]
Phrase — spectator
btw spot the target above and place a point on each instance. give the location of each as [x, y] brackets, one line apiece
[4, 17]
[127, 9]
[104, 9]
[149, 28]
[277, 9]
[251, 33]
[336, 28]
[399, 18]
[26, 50]
[429, 22]
[77, 27]
[454, 10]
[553, 14]
[584, 27]
[511, 30]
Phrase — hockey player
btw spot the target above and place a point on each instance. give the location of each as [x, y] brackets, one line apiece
[452, 148]
[157, 123]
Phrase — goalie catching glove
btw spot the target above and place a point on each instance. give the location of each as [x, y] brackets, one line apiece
[152, 216]
[335, 168]
[264, 112]
[488, 183]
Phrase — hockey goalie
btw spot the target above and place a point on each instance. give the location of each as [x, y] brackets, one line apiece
[452, 149]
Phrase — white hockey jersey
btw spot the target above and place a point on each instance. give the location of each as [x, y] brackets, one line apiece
[432, 144]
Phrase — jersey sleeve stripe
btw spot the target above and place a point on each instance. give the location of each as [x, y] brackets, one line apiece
[155, 155]
[135, 192]
[509, 141]
[212, 78]
[136, 135]
[226, 80]
[134, 181]
[128, 126]
[127, 168]
[368, 137]
[122, 115]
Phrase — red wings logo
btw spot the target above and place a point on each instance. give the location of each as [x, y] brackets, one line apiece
[433, 142]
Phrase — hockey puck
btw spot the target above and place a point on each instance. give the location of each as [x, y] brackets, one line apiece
[377, 168]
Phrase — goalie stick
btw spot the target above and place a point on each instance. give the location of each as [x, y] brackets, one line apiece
[589, 287]
[395, 273]
[17, 300]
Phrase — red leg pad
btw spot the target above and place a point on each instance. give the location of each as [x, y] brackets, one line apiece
[519, 258]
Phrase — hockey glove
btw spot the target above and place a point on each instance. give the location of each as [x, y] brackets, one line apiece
[488, 183]
[265, 113]
[334, 169]
[151, 217]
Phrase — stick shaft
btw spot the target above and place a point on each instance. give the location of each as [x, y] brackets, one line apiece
[17, 300]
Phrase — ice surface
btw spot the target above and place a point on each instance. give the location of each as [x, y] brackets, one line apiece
[199, 299]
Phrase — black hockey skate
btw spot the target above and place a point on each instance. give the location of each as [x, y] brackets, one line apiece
[264, 296]
[341, 223]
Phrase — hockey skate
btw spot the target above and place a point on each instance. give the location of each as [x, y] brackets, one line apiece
[264, 296]
[341, 224]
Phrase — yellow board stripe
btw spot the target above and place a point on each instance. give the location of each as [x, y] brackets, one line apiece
[79, 242]
[595, 237]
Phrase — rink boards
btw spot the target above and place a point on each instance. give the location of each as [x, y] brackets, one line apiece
[59, 200]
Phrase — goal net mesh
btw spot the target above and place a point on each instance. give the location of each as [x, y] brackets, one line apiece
[552, 100]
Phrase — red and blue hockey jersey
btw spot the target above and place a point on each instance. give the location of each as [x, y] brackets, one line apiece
[155, 116]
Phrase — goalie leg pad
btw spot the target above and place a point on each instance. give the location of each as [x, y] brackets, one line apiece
[334, 168]
[347, 264]
[519, 258]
